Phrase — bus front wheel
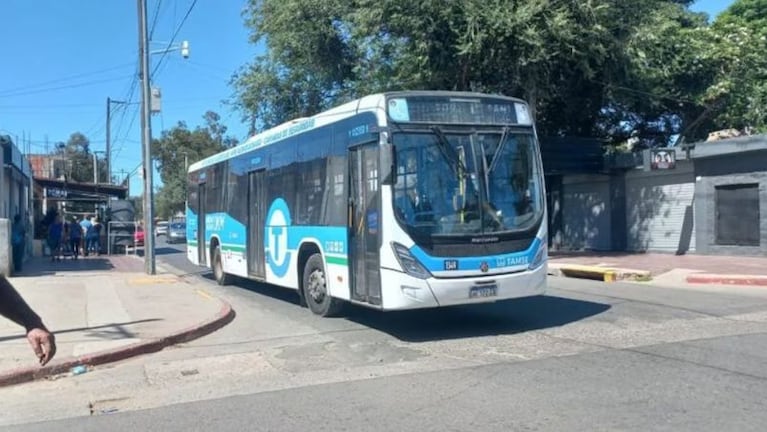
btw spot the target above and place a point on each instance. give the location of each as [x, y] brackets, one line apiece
[218, 267]
[316, 290]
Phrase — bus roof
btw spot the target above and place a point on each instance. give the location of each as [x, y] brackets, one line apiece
[370, 103]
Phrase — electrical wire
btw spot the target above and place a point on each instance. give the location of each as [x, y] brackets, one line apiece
[173, 38]
[64, 87]
[63, 79]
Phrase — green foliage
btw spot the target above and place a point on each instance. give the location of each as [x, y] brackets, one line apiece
[738, 49]
[79, 159]
[590, 68]
[180, 145]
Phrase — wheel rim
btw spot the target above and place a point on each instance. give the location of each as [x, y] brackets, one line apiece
[316, 285]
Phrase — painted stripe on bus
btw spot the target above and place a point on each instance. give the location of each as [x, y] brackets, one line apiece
[344, 261]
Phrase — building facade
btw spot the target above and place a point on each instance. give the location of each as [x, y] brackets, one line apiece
[15, 199]
[710, 199]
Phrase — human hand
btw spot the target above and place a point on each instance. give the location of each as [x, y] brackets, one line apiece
[43, 344]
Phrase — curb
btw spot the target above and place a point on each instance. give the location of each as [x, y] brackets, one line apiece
[21, 375]
[715, 279]
[604, 274]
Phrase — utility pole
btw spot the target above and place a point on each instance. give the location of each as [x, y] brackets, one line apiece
[146, 138]
[109, 144]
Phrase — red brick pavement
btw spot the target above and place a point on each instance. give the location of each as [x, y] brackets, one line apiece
[658, 263]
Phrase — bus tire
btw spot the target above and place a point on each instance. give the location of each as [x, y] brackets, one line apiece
[218, 268]
[314, 288]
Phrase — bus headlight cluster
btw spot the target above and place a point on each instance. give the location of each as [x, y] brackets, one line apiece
[409, 263]
[540, 256]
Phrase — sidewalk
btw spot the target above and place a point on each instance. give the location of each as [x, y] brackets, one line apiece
[690, 269]
[104, 309]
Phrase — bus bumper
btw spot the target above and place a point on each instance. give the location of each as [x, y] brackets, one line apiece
[402, 291]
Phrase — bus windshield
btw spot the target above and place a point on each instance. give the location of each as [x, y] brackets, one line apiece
[467, 183]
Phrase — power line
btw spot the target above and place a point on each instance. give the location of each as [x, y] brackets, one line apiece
[173, 38]
[154, 21]
[64, 79]
[44, 106]
[127, 131]
[63, 87]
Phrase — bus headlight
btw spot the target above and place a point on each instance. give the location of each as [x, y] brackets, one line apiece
[541, 255]
[409, 263]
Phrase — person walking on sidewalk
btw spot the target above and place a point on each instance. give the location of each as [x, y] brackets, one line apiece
[13, 307]
[75, 237]
[93, 237]
[85, 224]
[55, 235]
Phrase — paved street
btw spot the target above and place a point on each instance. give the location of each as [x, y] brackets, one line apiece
[588, 356]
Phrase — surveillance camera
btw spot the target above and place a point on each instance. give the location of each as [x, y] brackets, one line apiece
[185, 49]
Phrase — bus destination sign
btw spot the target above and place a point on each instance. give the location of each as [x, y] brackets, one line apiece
[437, 109]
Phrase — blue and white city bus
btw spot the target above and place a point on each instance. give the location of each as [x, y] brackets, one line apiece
[399, 200]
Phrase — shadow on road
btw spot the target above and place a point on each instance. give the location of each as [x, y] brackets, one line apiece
[490, 319]
[44, 266]
[455, 322]
[161, 251]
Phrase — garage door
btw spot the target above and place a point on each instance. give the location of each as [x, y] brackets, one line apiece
[586, 215]
[659, 212]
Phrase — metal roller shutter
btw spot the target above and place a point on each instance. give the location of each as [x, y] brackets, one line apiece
[586, 213]
[659, 212]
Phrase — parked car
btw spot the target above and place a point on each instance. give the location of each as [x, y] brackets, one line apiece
[138, 236]
[161, 228]
[177, 233]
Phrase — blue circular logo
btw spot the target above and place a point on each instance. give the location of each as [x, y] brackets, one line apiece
[276, 238]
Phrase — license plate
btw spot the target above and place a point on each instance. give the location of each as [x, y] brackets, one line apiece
[483, 291]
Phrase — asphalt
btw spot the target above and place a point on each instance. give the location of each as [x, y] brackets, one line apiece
[582, 358]
[104, 309]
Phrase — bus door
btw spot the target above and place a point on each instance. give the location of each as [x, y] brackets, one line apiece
[256, 222]
[364, 224]
[202, 199]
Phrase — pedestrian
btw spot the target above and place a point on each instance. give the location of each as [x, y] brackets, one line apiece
[75, 237]
[86, 225]
[93, 237]
[13, 307]
[18, 242]
[55, 235]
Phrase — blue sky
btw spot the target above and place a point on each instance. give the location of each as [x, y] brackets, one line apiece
[62, 59]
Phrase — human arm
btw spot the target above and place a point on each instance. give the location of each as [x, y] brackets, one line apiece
[13, 307]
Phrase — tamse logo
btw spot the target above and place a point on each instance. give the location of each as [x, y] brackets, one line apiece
[451, 265]
[483, 267]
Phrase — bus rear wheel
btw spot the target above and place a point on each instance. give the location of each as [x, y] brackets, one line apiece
[316, 290]
[218, 268]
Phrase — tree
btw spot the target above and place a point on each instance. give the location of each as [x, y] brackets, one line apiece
[179, 145]
[581, 65]
[737, 46]
[79, 159]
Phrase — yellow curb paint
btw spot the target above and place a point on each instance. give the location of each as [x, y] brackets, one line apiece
[204, 294]
[149, 280]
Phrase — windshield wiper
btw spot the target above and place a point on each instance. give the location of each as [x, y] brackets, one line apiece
[498, 150]
[448, 152]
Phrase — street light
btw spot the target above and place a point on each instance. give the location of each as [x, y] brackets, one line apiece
[183, 47]
[146, 129]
